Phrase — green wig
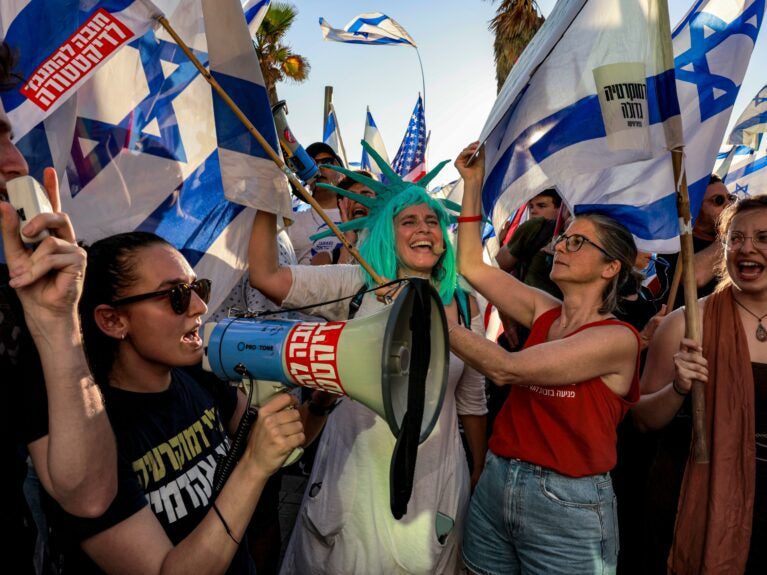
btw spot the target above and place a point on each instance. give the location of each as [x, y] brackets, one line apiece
[377, 243]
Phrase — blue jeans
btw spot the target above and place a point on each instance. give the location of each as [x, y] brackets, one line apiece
[527, 519]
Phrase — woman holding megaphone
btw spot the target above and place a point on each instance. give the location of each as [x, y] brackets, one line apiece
[545, 501]
[345, 524]
[141, 310]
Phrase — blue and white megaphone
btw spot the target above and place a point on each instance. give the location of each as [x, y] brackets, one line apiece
[394, 362]
[295, 154]
[369, 359]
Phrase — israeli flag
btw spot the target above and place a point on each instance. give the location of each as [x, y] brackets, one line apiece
[368, 28]
[752, 124]
[745, 173]
[712, 49]
[145, 145]
[568, 147]
[255, 11]
[61, 43]
[332, 135]
[373, 137]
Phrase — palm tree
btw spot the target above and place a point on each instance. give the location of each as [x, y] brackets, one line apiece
[278, 62]
[514, 25]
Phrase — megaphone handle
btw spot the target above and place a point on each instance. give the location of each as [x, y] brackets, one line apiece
[263, 391]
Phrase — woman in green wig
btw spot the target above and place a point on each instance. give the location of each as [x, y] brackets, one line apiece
[345, 524]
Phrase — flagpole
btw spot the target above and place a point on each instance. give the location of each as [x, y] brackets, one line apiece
[692, 310]
[423, 79]
[269, 151]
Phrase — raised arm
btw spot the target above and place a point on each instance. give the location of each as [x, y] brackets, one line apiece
[517, 300]
[266, 275]
[76, 461]
[663, 390]
[139, 544]
[608, 351]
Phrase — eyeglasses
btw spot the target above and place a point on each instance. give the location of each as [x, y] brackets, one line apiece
[575, 242]
[180, 295]
[327, 160]
[720, 200]
[736, 240]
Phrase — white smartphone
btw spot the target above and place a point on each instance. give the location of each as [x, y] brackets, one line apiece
[29, 198]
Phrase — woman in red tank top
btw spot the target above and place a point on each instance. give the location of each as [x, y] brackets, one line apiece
[545, 501]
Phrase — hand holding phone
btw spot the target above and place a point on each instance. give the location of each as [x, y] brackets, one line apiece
[29, 198]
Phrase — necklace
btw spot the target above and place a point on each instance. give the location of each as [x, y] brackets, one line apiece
[761, 333]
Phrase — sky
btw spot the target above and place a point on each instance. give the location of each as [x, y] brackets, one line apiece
[456, 48]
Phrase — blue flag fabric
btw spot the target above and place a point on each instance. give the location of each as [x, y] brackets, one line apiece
[61, 43]
[711, 49]
[373, 137]
[371, 28]
[750, 128]
[332, 135]
[144, 145]
[410, 160]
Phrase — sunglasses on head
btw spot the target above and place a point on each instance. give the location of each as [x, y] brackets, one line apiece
[180, 295]
[719, 201]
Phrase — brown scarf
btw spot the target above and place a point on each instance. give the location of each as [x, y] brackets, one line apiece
[713, 524]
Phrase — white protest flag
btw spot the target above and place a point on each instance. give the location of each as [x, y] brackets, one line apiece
[332, 135]
[60, 44]
[368, 28]
[593, 89]
[744, 170]
[373, 137]
[149, 153]
[712, 49]
[752, 124]
[255, 11]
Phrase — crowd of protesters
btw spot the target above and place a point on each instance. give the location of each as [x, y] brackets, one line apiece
[586, 466]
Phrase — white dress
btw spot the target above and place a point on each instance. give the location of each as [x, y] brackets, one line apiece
[345, 523]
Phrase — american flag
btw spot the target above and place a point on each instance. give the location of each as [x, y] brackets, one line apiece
[410, 161]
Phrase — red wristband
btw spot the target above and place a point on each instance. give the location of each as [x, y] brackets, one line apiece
[469, 219]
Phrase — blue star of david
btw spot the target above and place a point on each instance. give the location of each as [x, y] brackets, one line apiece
[700, 45]
[128, 133]
[741, 191]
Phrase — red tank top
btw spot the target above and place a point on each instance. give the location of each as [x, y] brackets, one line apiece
[568, 428]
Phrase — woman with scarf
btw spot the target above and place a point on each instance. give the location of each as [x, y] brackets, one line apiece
[721, 523]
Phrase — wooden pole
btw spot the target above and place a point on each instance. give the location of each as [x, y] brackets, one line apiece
[691, 311]
[269, 151]
[674, 284]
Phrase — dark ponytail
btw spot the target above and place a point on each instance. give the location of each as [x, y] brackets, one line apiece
[111, 270]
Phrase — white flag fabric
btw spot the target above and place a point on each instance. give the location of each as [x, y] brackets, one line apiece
[752, 124]
[144, 145]
[712, 46]
[373, 137]
[255, 11]
[368, 28]
[332, 135]
[744, 170]
[61, 43]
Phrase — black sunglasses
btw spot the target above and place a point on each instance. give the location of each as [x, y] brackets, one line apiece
[180, 295]
[575, 242]
[327, 161]
[719, 201]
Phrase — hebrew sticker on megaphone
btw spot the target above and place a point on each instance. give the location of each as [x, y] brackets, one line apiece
[367, 359]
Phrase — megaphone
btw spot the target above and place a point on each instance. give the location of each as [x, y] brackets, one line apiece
[395, 362]
[295, 155]
[368, 359]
